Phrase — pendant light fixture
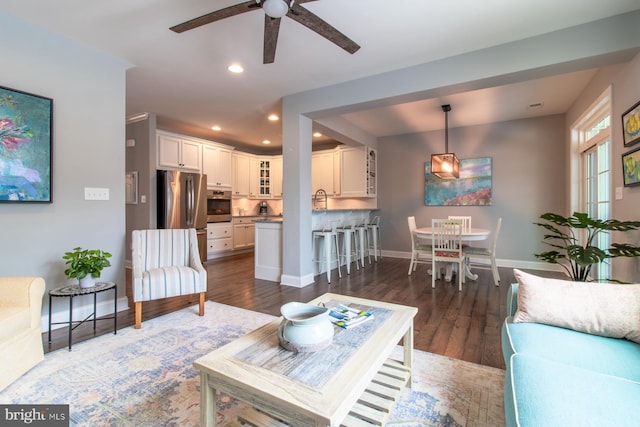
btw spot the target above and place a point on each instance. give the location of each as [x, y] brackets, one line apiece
[445, 165]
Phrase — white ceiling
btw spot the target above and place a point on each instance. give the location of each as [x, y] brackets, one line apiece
[183, 78]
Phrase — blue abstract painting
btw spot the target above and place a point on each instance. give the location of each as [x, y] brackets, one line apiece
[25, 147]
[472, 188]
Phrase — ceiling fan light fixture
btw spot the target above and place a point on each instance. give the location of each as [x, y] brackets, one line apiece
[275, 8]
[445, 165]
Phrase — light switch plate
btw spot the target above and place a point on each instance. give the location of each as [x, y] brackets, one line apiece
[618, 193]
[96, 193]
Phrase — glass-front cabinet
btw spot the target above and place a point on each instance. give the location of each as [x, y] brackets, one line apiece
[261, 185]
[265, 178]
[371, 171]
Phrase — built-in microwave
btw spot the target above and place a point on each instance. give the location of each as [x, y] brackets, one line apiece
[218, 206]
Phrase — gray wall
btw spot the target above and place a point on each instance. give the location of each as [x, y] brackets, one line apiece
[625, 86]
[562, 51]
[532, 161]
[88, 91]
[528, 158]
[142, 159]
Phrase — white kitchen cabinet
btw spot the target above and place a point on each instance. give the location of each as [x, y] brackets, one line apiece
[219, 238]
[323, 168]
[175, 152]
[241, 174]
[358, 172]
[243, 233]
[276, 177]
[268, 251]
[216, 164]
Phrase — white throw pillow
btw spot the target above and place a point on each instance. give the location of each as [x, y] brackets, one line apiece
[608, 310]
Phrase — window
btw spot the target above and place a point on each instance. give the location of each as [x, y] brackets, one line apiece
[593, 132]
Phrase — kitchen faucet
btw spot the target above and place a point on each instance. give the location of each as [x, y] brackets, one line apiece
[315, 199]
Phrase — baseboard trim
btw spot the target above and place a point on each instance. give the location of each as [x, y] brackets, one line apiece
[501, 262]
[297, 281]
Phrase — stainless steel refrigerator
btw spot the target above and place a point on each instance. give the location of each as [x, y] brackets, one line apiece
[182, 203]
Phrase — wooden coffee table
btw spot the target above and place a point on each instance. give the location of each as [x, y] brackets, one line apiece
[351, 380]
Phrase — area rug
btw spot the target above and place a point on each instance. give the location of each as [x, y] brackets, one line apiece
[145, 377]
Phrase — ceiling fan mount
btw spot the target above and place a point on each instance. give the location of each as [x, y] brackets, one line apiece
[274, 10]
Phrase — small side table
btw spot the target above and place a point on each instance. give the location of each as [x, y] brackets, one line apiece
[71, 291]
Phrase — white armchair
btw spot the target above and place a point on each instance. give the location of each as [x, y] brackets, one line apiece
[20, 335]
[166, 263]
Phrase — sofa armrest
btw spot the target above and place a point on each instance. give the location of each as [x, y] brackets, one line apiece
[23, 292]
[512, 300]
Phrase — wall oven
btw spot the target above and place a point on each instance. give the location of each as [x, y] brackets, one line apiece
[218, 206]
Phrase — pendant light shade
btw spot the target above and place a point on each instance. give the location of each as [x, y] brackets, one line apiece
[445, 165]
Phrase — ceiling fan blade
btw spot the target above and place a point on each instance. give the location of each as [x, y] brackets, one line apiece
[271, 30]
[216, 16]
[315, 23]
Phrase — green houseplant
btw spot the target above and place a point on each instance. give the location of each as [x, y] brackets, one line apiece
[86, 265]
[575, 257]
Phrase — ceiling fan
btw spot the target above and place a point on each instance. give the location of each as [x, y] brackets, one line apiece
[274, 10]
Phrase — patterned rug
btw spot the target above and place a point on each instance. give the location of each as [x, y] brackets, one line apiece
[145, 377]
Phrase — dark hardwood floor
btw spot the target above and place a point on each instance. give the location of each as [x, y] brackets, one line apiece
[463, 325]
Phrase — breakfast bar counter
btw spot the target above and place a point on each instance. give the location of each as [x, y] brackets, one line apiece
[268, 237]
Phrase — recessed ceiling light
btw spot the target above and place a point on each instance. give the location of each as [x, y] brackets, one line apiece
[273, 117]
[317, 134]
[216, 128]
[266, 142]
[235, 68]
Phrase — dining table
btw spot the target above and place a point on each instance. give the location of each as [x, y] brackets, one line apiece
[467, 235]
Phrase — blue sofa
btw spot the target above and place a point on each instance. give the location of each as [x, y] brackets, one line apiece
[560, 377]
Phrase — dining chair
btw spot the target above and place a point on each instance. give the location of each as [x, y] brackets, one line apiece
[489, 253]
[465, 221]
[418, 248]
[446, 246]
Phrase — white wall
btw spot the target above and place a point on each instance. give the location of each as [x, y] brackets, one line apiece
[88, 92]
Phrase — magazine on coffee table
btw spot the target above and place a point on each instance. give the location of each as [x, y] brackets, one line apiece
[348, 317]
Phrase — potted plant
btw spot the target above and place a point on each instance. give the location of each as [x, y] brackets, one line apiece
[86, 265]
[575, 257]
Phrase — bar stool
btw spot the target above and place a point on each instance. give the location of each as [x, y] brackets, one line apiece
[363, 239]
[349, 244]
[328, 238]
[373, 229]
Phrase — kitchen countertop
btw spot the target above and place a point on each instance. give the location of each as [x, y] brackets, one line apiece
[257, 216]
[343, 210]
[273, 219]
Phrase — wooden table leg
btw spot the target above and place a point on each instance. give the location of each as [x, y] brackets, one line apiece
[208, 408]
[407, 344]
